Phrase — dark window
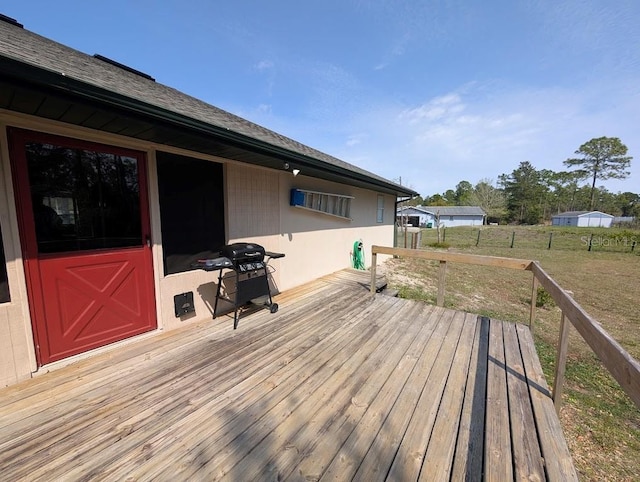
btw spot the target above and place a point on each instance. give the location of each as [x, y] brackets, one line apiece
[191, 210]
[4, 280]
[83, 199]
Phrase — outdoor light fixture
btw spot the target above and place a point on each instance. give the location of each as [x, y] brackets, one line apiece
[286, 167]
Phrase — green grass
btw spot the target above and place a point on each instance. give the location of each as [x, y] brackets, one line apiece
[440, 245]
[414, 293]
[601, 423]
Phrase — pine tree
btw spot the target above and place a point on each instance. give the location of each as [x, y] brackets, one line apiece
[602, 158]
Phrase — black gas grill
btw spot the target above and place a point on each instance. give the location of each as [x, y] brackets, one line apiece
[249, 262]
[245, 257]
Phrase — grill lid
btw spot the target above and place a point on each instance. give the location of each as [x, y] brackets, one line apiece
[240, 253]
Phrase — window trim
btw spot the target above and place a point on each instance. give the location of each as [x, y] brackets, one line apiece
[380, 209]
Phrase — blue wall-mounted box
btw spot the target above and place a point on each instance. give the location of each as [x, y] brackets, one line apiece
[297, 198]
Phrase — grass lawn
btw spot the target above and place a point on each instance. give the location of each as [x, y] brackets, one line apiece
[601, 423]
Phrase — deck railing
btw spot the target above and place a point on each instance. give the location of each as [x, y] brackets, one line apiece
[622, 366]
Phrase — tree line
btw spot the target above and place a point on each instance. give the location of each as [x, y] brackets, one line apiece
[530, 196]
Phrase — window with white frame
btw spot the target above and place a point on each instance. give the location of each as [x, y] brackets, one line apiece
[380, 212]
[333, 204]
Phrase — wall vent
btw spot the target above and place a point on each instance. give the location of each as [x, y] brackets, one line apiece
[10, 20]
[123, 67]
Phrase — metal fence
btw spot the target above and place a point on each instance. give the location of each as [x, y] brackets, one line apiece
[533, 237]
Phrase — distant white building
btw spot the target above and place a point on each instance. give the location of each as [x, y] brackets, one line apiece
[594, 219]
[425, 216]
[624, 220]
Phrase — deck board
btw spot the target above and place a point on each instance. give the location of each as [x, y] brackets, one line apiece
[498, 464]
[442, 442]
[527, 459]
[338, 385]
[467, 464]
[409, 458]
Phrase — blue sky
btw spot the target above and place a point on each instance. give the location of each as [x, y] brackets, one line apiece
[432, 92]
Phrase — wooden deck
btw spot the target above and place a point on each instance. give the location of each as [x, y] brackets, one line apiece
[338, 385]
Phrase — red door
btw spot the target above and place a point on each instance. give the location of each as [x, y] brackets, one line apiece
[84, 223]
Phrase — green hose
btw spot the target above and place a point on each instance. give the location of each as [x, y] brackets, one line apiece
[358, 255]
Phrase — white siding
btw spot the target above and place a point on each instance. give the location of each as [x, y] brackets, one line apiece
[593, 219]
[448, 222]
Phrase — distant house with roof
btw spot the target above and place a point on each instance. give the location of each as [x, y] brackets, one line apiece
[450, 216]
[594, 219]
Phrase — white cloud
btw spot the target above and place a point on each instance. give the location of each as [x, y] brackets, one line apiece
[268, 69]
[355, 139]
[436, 109]
[264, 109]
[264, 65]
[476, 133]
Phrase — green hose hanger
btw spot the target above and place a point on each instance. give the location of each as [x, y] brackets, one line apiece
[357, 258]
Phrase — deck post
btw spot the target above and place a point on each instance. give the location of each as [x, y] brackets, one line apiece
[442, 274]
[561, 362]
[534, 299]
[374, 259]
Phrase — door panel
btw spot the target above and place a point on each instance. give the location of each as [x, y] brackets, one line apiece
[93, 300]
[84, 227]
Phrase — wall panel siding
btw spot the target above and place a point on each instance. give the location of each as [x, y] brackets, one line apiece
[317, 244]
[252, 202]
[8, 373]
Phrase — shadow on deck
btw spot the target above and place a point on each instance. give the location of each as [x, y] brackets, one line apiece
[338, 385]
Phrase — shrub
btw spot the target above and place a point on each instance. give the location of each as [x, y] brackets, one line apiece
[439, 245]
[544, 299]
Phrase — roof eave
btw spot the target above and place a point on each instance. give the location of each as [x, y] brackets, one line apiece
[54, 81]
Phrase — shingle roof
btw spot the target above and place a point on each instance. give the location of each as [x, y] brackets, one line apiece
[29, 48]
[579, 213]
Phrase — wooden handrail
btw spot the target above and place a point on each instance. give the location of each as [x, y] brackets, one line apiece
[622, 366]
[513, 263]
[444, 257]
